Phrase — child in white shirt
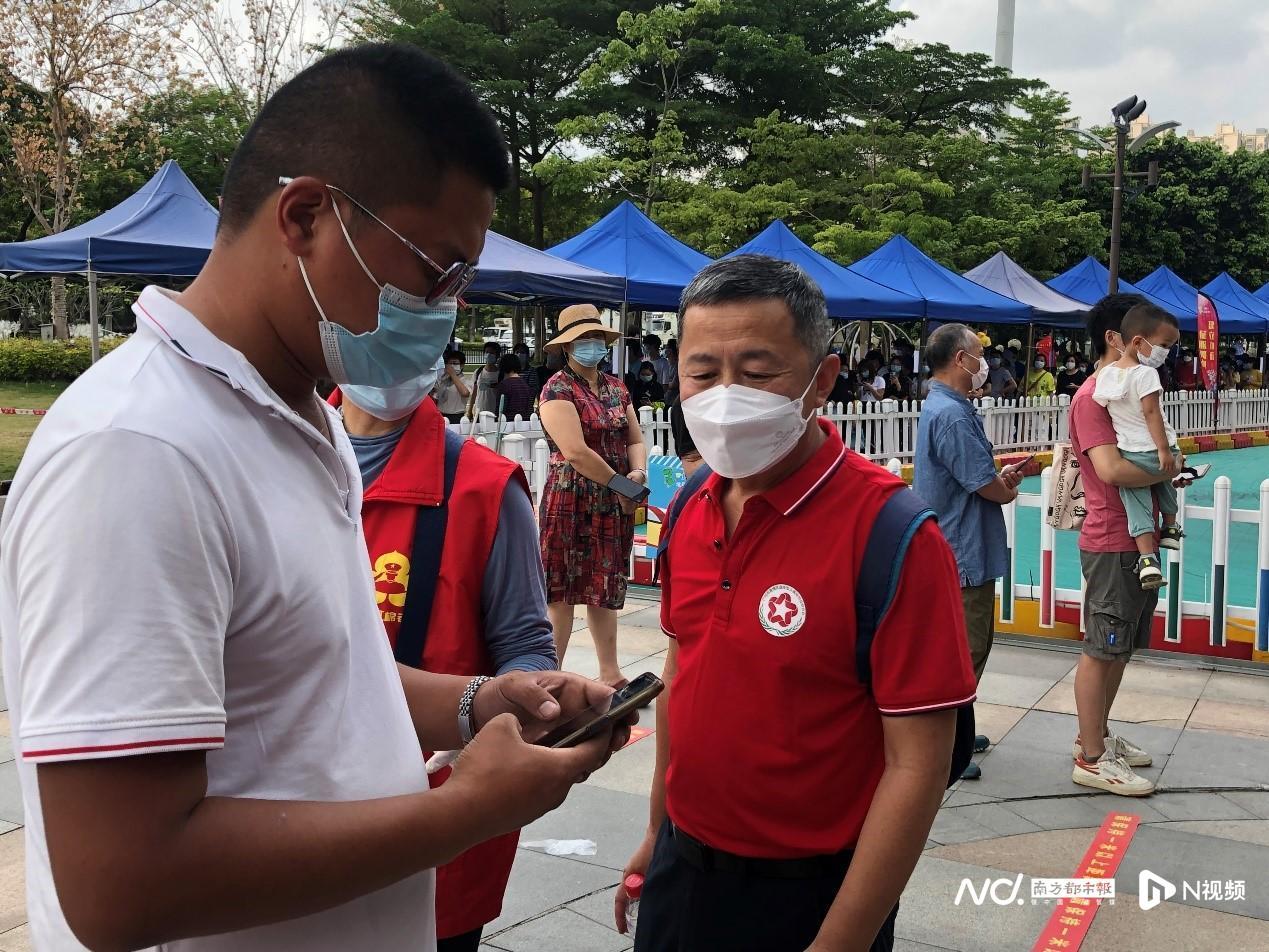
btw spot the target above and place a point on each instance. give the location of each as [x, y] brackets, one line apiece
[1131, 391]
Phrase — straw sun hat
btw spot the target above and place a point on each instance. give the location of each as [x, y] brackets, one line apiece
[576, 320]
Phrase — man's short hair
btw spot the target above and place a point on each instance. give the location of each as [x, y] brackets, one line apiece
[455, 355]
[759, 277]
[1108, 315]
[945, 343]
[1143, 319]
[383, 121]
[651, 340]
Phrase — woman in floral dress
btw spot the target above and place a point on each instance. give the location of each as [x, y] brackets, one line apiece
[587, 529]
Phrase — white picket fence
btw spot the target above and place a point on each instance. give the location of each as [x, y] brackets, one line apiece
[887, 429]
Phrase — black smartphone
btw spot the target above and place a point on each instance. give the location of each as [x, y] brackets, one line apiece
[1018, 467]
[625, 486]
[596, 720]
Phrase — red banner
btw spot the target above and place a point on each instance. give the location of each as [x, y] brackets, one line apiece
[1069, 924]
[1209, 331]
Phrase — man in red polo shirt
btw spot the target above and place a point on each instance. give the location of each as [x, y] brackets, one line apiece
[792, 804]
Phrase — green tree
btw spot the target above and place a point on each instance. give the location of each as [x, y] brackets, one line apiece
[525, 57]
[930, 87]
[1209, 214]
[199, 127]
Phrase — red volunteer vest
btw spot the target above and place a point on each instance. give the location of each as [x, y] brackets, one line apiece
[469, 890]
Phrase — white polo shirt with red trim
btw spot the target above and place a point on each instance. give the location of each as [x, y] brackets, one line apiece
[182, 567]
[776, 746]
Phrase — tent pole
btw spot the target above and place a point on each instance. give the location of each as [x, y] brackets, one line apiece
[619, 358]
[1029, 359]
[93, 325]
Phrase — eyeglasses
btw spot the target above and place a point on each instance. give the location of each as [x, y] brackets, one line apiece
[452, 281]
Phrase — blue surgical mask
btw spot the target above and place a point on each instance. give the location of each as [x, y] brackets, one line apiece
[410, 334]
[393, 403]
[589, 353]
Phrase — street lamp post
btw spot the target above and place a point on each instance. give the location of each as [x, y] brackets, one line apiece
[1124, 113]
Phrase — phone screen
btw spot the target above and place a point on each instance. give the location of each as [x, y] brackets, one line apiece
[591, 722]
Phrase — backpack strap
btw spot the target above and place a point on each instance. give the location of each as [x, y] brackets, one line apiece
[425, 553]
[675, 509]
[900, 517]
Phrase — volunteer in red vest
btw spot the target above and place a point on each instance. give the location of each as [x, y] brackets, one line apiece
[487, 610]
[790, 801]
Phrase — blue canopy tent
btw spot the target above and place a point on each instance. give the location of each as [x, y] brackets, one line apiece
[656, 266]
[1230, 296]
[849, 295]
[900, 265]
[513, 273]
[1002, 274]
[1166, 284]
[166, 228]
[1262, 294]
[1088, 280]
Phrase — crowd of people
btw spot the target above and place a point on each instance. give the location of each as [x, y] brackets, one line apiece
[290, 702]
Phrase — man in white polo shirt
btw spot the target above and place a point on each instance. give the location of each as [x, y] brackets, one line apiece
[216, 748]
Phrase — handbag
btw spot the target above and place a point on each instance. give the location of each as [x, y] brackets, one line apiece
[1066, 504]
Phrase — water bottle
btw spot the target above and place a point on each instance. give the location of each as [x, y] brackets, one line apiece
[634, 889]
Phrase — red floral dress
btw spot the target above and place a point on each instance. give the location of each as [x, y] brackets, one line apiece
[586, 538]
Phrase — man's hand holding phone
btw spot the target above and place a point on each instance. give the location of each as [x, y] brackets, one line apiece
[502, 779]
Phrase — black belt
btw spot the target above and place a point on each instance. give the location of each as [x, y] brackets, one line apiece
[707, 859]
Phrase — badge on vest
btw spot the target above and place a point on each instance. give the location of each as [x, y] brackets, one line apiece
[781, 610]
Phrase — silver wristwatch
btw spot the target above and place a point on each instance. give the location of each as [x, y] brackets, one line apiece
[465, 703]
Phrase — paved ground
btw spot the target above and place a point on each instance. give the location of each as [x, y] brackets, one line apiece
[1208, 731]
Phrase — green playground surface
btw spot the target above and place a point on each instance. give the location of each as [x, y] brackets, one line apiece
[1246, 469]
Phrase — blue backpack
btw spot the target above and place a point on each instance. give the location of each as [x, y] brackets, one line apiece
[900, 517]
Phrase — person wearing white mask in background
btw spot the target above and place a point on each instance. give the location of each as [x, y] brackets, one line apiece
[793, 800]
[955, 472]
[587, 528]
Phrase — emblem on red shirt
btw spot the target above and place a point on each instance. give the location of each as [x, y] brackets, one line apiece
[781, 610]
[392, 580]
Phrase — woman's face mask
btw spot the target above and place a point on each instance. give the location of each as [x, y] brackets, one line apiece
[1039, 365]
[646, 378]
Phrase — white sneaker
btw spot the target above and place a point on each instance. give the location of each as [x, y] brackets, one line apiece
[1111, 774]
[1133, 755]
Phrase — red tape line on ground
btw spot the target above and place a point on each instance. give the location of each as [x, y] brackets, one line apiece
[21, 411]
[1071, 920]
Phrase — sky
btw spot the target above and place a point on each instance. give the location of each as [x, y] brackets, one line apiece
[1200, 62]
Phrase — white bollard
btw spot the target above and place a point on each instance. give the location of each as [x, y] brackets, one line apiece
[1220, 558]
[1262, 576]
[1046, 549]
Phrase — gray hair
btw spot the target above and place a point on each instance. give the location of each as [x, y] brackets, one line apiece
[945, 343]
[758, 277]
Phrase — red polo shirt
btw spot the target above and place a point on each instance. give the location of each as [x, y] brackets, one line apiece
[776, 747]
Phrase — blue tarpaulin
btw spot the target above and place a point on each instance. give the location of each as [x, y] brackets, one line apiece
[655, 265]
[850, 296]
[1232, 301]
[1176, 293]
[512, 273]
[166, 228]
[1088, 280]
[1261, 294]
[900, 265]
[1002, 274]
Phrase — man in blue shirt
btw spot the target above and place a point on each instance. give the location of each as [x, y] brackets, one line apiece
[955, 472]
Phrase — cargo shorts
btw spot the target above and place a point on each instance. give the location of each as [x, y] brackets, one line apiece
[1118, 613]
